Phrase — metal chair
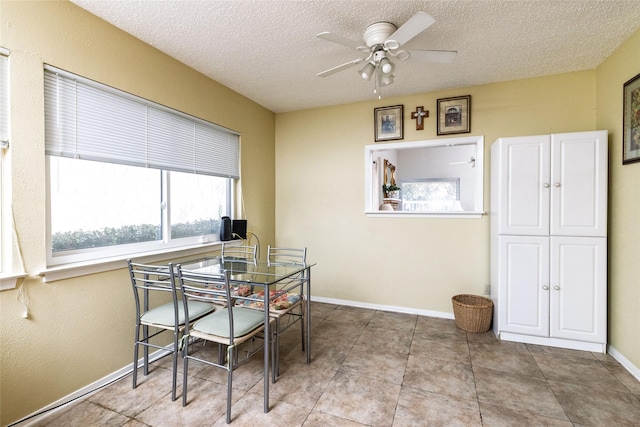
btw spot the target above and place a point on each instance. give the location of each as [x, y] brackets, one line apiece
[148, 280]
[291, 291]
[229, 327]
[235, 252]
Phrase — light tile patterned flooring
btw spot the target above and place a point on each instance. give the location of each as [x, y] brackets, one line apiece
[375, 368]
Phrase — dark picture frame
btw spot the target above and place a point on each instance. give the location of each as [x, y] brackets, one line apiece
[454, 115]
[631, 121]
[388, 123]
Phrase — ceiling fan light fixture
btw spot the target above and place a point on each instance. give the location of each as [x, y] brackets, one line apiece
[386, 79]
[386, 66]
[367, 71]
[402, 55]
[391, 44]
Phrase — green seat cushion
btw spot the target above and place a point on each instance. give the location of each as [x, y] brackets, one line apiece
[217, 323]
[163, 315]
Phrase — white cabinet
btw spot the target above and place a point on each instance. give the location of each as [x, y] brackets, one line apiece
[548, 239]
[552, 184]
[553, 287]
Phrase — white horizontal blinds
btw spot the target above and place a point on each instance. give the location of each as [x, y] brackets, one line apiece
[4, 98]
[171, 141]
[108, 127]
[225, 144]
[88, 120]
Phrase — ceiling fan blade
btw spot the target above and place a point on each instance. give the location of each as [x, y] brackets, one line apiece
[339, 39]
[438, 56]
[344, 66]
[414, 26]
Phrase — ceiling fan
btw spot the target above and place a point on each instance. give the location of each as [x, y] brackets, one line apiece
[383, 41]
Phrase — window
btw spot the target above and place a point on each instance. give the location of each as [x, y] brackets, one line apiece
[127, 175]
[431, 194]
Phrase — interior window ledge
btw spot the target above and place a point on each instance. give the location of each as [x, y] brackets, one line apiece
[413, 214]
[68, 271]
[9, 280]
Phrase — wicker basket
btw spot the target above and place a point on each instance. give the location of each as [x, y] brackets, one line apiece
[472, 313]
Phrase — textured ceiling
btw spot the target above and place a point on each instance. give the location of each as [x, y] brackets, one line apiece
[267, 50]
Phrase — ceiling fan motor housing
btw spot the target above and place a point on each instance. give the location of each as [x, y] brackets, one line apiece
[378, 33]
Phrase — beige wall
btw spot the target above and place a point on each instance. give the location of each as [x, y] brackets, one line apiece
[80, 330]
[624, 204]
[415, 263]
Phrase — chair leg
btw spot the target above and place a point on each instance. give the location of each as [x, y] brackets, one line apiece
[275, 353]
[145, 350]
[303, 315]
[221, 354]
[174, 366]
[276, 357]
[135, 357]
[185, 369]
[230, 359]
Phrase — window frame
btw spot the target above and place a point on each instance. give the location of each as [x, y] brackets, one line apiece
[4, 100]
[370, 157]
[58, 146]
[9, 273]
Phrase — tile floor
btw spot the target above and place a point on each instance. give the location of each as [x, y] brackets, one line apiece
[375, 368]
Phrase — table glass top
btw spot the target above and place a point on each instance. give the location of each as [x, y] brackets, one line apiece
[243, 271]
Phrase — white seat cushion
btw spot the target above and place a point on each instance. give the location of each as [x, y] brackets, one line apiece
[244, 321]
[163, 315]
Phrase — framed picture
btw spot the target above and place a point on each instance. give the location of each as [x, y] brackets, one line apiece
[454, 115]
[388, 122]
[631, 121]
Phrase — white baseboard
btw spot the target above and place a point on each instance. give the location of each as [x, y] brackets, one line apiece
[633, 370]
[392, 308]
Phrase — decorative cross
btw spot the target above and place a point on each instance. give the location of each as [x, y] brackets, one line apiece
[418, 115]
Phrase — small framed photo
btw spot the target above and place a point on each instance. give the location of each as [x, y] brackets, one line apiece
[631, 121]
[388, 122]
[454, 115]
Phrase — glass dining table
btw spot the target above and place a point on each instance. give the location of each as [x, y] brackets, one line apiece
[266, 276]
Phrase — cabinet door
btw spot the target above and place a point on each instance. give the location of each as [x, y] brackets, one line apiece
[578, 297]
[524, 171]
[523, 284]
[579, 184]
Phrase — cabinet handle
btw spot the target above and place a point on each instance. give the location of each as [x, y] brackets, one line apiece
[557, 184]
[557, 288]
[546, 288]
[546, 185]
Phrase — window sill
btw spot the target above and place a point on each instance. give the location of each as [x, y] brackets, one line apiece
[69, 271]
[413, 214]
[8, 281]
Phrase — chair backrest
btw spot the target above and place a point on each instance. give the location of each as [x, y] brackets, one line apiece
[281, 256]
[149, 279]
[239, 252]
[206, 287]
